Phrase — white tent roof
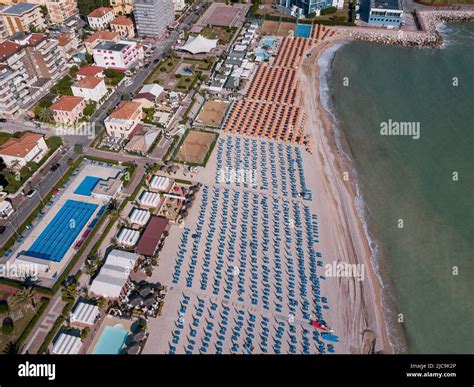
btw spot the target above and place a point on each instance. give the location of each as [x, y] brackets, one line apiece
[114, 274]
[159, 182]
[149, 199]
[140, 217]
[67, 345]
[152, 88]
[128, 237]
[84, 313]
[199, 45]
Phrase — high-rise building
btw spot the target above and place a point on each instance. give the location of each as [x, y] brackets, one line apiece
[153, 16]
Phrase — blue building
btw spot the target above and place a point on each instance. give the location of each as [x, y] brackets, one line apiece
[385, 13]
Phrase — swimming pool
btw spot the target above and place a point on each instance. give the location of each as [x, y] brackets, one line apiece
[111, 340]
[303, 30]
[87, 185]
[262, 54]
[268, 42]
[59, 234]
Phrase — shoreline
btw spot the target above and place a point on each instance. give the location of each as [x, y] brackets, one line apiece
[360, 305]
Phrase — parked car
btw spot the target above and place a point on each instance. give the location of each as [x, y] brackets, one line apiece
[3, 120]
[31, 193]
[54, 167]
[2, 229]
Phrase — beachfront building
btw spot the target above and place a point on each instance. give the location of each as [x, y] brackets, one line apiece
[124, 119]
[100, 18]
[22, 17]
[153, 16]
[100, 37]
[67, 344]
[153, 236]
[68, 109]
[17, 152]
[124, 26]
[121, 55]
[84, 315]
[303, 8]
[385, 13]
[90, 88]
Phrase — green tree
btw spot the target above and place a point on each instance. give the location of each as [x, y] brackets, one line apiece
[45, 114]
[24, 298]
[11, 349]
[7, 326]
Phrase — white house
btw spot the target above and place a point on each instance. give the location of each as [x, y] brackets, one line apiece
[120, 55]
[16, 152]
[124, 119]
[100, 18]
[90, 88]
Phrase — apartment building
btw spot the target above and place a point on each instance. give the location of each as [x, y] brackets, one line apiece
[14, 79]
[17, 152]
[99, 37]
[124, 119]
[153, 16]
[44, 58]
[121, 55]
[60, 10]
[22, 17]
[100, 18]
[124, 26]
[68, 43]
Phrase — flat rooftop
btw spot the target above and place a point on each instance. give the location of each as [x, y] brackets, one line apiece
[385, 4]
[111, 46]
[19, 9]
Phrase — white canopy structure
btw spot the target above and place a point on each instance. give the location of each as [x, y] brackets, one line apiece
[67, 345]
[139, 217]
[128, 237]
[152, 88]
[114, 274]
[161, 183]
[149, 199]
[84, 314]
[199, 45]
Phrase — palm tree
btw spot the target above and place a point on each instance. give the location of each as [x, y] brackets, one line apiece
[11, 349]
[25, 298]
[45, 114]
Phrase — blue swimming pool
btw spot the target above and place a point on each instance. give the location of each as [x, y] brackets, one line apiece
[268, 42]
[111, 340]
[87, 185]
[262, 54]
[303, 30]
[61, 232]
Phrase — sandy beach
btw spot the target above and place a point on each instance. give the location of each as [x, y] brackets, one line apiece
[358, 304]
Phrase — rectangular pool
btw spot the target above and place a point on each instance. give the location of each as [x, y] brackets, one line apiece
[87, 185]
[303, 30]
[111, 340]
[60, 233]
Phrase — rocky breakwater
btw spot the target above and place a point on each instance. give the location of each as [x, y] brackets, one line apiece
[427, 37]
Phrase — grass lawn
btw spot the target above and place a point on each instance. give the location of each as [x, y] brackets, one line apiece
[163, 69]
[185, 83]
[4, 137]
[19, 327]
[224, 34]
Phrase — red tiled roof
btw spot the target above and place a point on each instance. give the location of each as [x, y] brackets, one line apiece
[66, 103]
[7, 49]
[90, 71]
[99, 12]
[89, 82]
[123, 21]
[101, 35]
[125, 110]
[152, 235]
[20, 147]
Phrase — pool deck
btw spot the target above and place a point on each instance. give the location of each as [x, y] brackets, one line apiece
[86, 169]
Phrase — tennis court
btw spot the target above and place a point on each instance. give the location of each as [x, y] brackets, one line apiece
[58, 236]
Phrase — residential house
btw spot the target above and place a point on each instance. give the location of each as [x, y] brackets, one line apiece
[90, 71]
[124, 26]
[68, 109]
[17, 152]
[124, 119]
[68, 43]
[100, 18]
[90, 88]
[148, 95]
